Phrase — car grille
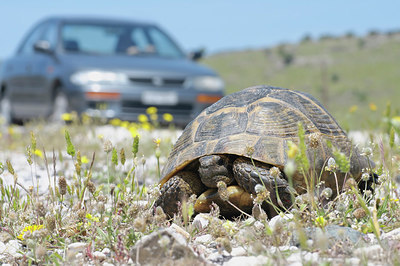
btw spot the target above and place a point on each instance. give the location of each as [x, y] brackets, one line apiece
[158, 81]
[138, 107]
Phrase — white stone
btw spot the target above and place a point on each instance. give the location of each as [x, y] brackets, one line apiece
[283, 248]
[180, 231]
[278, 221]
[12, 247]
[370, 252]
[238, 251]
[204, 239]
[353, 261]
[311, 257]
[106, 251]
[249, 260]
[2, 247]
[99, 255]
[201, 221]
[394, 234]
[77, 246]
[259, 225]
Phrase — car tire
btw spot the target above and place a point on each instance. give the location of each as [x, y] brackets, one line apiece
[60, 106]
[5, 110]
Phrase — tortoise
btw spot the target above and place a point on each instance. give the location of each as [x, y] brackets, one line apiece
[241, 138]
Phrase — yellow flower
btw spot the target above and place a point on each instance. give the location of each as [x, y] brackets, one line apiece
[38, 153]
[153, 117]
[353, 108]
[11, 130]
[86, 119]
[100, 136]
[31, 228]
[66, 117]
[125, 124]
[142, 118]
[84, 159]
[373, 107]
[395, 121]
[157, 141]
[168, 117]
[151, 110]
[92, 218]
[115, 122]
[133, 131]
[293, 149]
[146, 126]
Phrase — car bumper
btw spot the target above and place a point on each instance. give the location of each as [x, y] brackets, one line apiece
[129, 103]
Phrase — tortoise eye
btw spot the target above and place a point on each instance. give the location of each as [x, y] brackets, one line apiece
[220, 161]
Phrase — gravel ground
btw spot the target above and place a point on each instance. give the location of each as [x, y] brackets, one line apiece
[204, 248]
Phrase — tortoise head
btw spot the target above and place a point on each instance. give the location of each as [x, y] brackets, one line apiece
[215, 168]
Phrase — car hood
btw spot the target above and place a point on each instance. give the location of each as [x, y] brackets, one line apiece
[135, 64]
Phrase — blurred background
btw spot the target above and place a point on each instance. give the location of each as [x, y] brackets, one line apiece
[345, 53]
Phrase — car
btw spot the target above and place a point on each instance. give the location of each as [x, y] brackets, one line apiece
[107, 68]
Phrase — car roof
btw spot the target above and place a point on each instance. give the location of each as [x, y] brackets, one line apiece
[95, 20]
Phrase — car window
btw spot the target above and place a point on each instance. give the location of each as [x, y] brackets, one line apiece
[33, 37]
[89, 38]
[162, 43]
[50, 35]
[117, 39]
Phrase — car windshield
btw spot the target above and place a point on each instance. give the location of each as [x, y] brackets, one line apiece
[113, 39]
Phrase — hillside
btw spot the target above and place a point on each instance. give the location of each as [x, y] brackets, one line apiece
[355, 78]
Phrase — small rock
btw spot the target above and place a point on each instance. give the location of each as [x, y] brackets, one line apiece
[180, 231]
[5, 237]
[201, 221]
[100, 256]
[219, 257]
[259, 225]
[283, 248]
[238, 251]
[163, 246]
[370, 252]
[204, 239]
[334, 234]
[106, 251]
[2, 247]
[12, 248]
[77, 247]
[353, 261]
[249, 260]
[392, 235]
[277, 222]
[312, 257]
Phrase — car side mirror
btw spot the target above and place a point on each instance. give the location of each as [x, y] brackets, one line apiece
[42, 46]
[196, 55]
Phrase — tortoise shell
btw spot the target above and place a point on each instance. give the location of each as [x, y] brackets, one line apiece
[265, 119]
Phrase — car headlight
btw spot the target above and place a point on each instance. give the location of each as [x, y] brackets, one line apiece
[99, 77]
[208, 83]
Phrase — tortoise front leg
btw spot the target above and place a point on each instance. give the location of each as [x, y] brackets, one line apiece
[179, 187]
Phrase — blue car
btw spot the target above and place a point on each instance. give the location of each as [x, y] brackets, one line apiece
[104, 68]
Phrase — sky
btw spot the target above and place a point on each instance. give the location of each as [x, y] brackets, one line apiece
[215, 25]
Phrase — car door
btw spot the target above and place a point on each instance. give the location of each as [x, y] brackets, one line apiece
[20, 68]
[41, 78]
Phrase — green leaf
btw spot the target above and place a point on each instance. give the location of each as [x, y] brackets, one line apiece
[70, 146]
[114, 157]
